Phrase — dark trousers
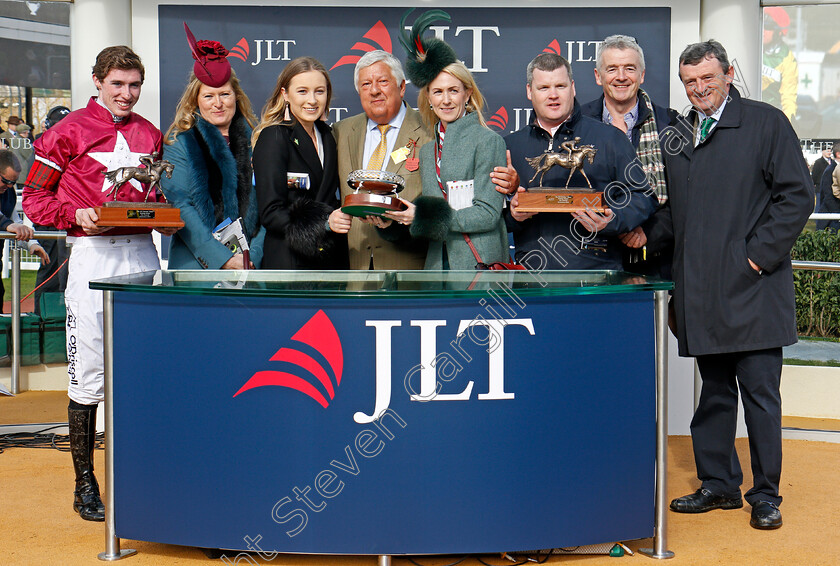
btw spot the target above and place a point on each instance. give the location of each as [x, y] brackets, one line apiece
[757, 374]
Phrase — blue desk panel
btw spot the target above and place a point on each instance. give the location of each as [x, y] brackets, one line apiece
[552, 445]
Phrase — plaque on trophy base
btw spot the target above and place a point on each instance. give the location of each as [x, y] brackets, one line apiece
[139, 214]
[567, 199]
[376, 193]
[368, 204]
[545, 199]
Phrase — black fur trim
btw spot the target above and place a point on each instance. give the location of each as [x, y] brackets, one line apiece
[431, 218]
[306, 232]
[240, 146]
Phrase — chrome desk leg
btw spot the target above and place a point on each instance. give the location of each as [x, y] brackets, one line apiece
[15, 275]
[661, 507]
[112, 543]
[384, 560]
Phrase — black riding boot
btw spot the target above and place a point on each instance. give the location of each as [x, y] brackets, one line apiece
[82, 423]
[92, 439]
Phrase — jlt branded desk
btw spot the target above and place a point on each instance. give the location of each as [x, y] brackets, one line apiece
[382, 412]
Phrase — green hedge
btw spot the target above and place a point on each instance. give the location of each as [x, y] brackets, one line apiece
[817, 292]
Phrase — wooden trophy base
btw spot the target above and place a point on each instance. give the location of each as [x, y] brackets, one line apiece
[545, 199]
[139, 215]
[368, 204]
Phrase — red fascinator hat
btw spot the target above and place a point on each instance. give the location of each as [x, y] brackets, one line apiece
[211, 65]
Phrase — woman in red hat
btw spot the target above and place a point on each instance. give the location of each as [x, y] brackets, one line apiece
[296, 172]
[210, 145]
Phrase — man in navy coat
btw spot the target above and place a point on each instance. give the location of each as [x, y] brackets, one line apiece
[829, 202]
[620, 71]
[739, 195]
[582, 239]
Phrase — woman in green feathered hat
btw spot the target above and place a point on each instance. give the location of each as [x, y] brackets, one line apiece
[459, 204]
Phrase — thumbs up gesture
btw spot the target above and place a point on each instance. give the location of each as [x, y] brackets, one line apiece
[505, 178]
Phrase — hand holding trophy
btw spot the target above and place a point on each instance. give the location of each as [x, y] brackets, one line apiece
[140, 214]
[553, 199]
[375, 193]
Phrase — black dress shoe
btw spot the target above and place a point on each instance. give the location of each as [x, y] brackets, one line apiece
[765, 515]
[704, 500]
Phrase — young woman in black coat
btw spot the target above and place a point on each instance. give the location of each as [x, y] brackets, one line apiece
[295, 166]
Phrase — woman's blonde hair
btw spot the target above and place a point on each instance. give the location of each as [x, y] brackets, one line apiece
[275, 108]
[187, 108]
[474, 104]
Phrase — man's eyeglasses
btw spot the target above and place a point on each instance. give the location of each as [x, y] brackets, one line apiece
[6, 181]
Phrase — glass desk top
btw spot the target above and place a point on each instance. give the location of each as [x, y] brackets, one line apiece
[380, 284]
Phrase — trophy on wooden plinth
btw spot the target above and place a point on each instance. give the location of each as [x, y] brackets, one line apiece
[375, 193]
[139, 214]
[553, 199]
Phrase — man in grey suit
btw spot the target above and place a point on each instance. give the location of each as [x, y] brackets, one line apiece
[380, 82]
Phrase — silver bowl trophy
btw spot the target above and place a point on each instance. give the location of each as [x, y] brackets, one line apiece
[375, 193]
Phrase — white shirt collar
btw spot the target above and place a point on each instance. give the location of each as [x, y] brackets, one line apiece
[717, 112]
[395, 122]
[553, 130]
[701, 116]
[113, 117]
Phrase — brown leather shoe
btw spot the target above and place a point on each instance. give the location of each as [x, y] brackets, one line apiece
[765, 515]
[704, 500]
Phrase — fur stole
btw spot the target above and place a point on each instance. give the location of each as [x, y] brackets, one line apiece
[222, 187]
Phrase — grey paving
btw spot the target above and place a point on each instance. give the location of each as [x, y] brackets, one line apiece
[817, 350]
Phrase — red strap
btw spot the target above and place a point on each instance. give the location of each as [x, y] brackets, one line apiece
[439, 137]
[472, 247]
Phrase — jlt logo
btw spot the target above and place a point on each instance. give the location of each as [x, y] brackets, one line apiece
[378, 38]
[265, 50]
[437, 367]
[272, 50]
[501, 119]
[478, 35]
[319, 335]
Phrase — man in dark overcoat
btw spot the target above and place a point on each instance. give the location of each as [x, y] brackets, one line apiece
[818, 168]
[739, 195]
[829, 202]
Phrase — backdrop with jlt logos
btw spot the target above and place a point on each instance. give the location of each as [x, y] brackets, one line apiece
[495, 43]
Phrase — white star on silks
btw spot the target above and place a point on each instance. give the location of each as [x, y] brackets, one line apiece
[121, 156]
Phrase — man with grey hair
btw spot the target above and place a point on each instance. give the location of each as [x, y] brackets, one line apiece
[384, 137]
[739, 195]
[620, 71]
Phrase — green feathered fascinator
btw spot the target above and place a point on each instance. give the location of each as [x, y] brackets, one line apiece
[428, 56]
